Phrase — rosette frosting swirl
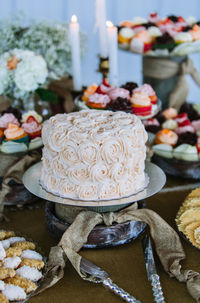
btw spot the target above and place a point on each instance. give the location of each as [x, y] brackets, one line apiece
[92, 155]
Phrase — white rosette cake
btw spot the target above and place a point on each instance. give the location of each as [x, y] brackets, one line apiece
[93, 155]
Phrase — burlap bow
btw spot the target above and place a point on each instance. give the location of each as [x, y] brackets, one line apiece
[167, 244]
[166, 68]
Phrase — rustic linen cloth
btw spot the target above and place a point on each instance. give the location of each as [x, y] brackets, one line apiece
[166, 68]
[166, 240]
[15, 168]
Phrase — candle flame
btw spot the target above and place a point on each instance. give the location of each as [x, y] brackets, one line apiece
[109, 24]
[73, 19]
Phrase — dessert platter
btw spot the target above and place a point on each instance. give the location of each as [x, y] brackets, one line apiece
[188, 218]
[130, 98]
[156, 36]
[20, 133]
[21, 267]
[95, 160]
[175, 139]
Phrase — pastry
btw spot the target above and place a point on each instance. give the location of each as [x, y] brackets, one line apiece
[186, 152]
[183, 37]
[125, 35]
[29, 273]
[3, 299]
[188, 138]
[120, 104]
[119, 92]
[13, 251]
[31, 254]
[148, 90]
[6, 234]
[141, 104]
[13, 240]
[11, 110]
[141, 43]
[11, 262]
[166, 136]
[152, 125]
[195, 32]
[170, 124]
[90, 90]
[130, 86]
[6, 119]
[6, 273]
[98, 101]
[11, 147]
[32, 128]
[14, 293]
[170, 113]
[32, 263]
[35, 143]
[24, 245]
[24, 283]
[163, 150]
[16, 134]
[94, 155]
[31, 114]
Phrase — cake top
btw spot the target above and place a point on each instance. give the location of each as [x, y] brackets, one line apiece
[88, 124]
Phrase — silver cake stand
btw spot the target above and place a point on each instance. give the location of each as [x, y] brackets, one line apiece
[61, 213]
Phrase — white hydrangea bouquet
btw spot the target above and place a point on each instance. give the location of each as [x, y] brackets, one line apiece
[49, 39]
[22, 72]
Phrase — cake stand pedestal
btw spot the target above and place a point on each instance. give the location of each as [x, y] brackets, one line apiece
[61, 215]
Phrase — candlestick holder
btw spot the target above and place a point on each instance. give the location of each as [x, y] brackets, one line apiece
[103, 66]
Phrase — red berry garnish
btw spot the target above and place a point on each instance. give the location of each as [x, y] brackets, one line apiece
[99, 91]
[105, 82]
[181, 19]
[31, 119]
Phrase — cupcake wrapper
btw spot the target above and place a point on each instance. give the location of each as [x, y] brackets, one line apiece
[20, 140]
[142, 111]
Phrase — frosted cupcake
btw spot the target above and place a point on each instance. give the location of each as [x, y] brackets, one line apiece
[195, 32]
[98, 101]
[90, 90]
[16, 134]
[6, 119]
[33, 129]
[170, 113]
[147, 89]
[183, 37]
[119, 92]
[125, 35]
[141, 43]
[166, 136]
[141, 104]
[32, 113]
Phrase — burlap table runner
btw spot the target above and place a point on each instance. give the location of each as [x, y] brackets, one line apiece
[166, 68]
[167, 245]
[15, 168]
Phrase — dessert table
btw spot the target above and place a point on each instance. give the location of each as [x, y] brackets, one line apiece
[125, 264]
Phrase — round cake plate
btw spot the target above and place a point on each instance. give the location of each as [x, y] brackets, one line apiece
[155, 109]
[156, 176]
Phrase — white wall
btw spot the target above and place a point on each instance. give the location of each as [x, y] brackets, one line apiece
[117, 10]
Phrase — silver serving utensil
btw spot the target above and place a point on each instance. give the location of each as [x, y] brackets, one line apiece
[102, 277]
[151, 270]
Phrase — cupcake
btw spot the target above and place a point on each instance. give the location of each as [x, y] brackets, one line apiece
[16, 134]
[104, 88]
[141, 43]
[152, 125]
[119, 92]
[147, 89]
[163, 150]
[166, 136]
[126, 24]
[184, 126]
[154, 32]
[11, 110]
[32, 128]
[186, 152]
[141, 104]
[11, 147]
[121, 104]
[170, 124]
[125, 35]
[32, 113]
[6, 119]
[139, 20]
[183, 37]
[98, 101]
[191, 112]
[195, 32]
[170, 113]
[90, 90]
[154, 18]
[187, 138]
[130, 86]
[164, 42]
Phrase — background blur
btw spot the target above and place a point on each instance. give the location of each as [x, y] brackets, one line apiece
[117, 10]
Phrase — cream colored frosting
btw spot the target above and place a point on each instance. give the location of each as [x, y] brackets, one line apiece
[13, 131]
[92, 155]
[140, 99]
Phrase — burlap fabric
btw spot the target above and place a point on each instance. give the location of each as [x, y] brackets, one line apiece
[162, 69]
[15, 172]
[167, 245]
